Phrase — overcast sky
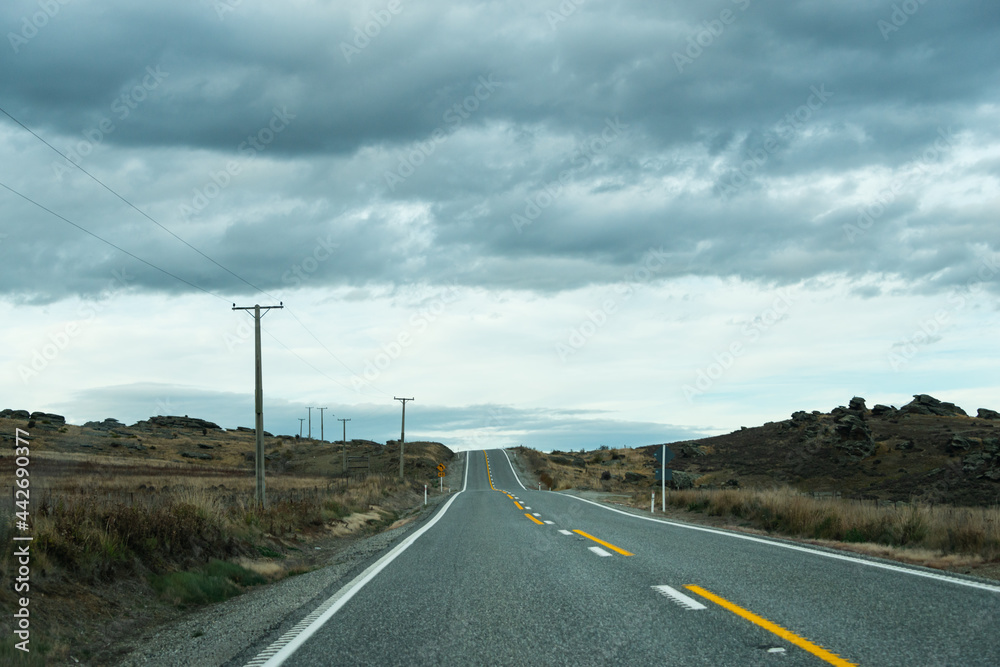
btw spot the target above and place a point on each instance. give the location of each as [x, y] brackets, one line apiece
[562, 224]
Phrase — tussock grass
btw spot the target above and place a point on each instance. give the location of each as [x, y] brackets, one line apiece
[134, 523]
[939, 530]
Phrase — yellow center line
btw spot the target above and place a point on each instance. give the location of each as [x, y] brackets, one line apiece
[518, 505]
[801, 642]
[488, 471]
[534, 519]
[602, 542]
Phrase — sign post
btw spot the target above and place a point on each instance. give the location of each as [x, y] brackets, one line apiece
[663, 456]
[441, 474]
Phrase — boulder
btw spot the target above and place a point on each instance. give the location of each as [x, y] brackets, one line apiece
[204, 456]
[109, 424]
[682, 480]
[802, 416]
[855, 437]
[48, 418]
[923, 404]
[852, 427]
[880, 410]
[958, 444]
[14, 414]
[857, 403]
[174, 422]
[975, 460]
[634, 477]
[986, 413]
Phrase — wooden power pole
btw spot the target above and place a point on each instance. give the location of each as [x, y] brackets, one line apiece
[345, 441]
[321, 438]
[402, 434]
[259, 496]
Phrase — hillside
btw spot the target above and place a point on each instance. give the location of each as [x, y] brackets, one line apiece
[927, 450]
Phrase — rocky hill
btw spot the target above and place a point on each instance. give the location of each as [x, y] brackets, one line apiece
[927, 450]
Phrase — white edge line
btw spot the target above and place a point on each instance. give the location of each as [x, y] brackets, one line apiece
[466, 482]
[512, 469]
[348, 591]
[793, 547]
[600, 552]
[680, 598]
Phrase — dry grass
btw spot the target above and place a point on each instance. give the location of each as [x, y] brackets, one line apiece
[90, 528]
[929, 532]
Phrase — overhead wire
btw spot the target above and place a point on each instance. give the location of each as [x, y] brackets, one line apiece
[113, 245]
[189, 245]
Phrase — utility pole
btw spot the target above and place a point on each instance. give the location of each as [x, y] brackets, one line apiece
[310, 423]
[301, 419]
[321, 439]
[345, 442]
[402, 434]
[259, 495]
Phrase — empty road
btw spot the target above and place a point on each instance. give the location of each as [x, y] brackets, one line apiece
[503, 575]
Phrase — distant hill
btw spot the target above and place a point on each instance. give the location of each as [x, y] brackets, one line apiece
[927, 450]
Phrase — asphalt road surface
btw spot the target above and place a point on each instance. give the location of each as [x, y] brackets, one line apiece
[503, 575]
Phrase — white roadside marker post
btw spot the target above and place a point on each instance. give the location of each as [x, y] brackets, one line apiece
[425, 494]
[663, 478]
[652, 503]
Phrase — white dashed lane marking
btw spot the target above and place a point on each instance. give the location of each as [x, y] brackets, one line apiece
[565, 532]
[601, 552]
[679, 598]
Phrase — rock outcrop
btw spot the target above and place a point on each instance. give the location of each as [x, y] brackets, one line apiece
[922, 404]
[681, 480]
[48, 419]
[986, 413]
[173, 422]
[109, 424]
[855, 437]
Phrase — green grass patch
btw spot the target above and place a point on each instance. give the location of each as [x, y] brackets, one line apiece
[268, 552]
[214, 582]
[35, 657]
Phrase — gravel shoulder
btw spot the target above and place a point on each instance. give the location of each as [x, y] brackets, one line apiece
[232, 632]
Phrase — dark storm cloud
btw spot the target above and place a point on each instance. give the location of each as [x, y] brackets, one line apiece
[414, 149]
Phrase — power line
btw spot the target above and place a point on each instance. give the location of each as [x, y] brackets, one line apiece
[104, 240]
[161, 270]
[349, 369]
[189, 245]
[133, 206]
